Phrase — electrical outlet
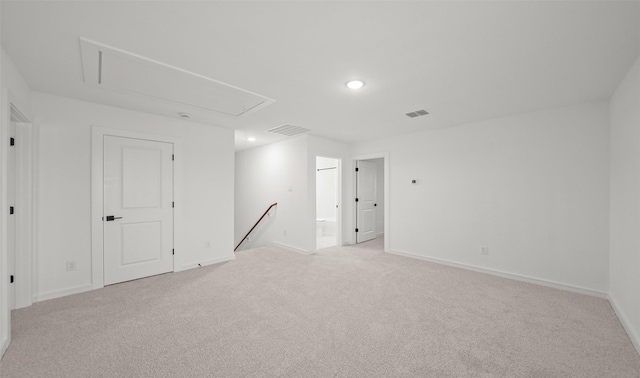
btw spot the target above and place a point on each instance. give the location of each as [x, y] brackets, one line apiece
[284, 232]
[72, 265]
[484, 250]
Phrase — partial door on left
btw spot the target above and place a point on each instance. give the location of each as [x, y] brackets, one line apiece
[11, 219]
[138, 208]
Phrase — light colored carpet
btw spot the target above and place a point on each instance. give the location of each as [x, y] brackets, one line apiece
[345, 312]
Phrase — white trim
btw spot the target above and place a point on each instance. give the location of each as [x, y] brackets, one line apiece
[626, 324]
[4, 345]
[513, 276]
[17, 114]
[35, 211]
[5, 312]
[7, 110]
[205, 263]
[97, 165]
[294, 249]
[387, 194]
[63, 293]
[24, 215]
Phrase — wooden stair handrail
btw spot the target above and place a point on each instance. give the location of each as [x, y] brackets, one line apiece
[254, 226]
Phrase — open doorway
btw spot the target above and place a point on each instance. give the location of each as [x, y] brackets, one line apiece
[327, 202]
[370, 199]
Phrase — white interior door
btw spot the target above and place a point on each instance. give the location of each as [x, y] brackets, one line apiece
[11, 219]
[366, 191]
[138, 208]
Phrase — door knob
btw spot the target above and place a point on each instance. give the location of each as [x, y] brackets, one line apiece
[112, 218]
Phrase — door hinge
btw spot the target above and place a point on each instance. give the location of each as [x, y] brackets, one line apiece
[357, 169]
[356, 230]
[173, 251]
[12, 141]
[11, 279]
[11, 210]
[173, 157]
[357, 200]
[173, 204]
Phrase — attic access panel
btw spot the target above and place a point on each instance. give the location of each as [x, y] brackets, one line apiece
[112, 68]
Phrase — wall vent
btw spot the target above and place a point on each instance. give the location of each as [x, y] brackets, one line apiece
[288, 130]
[417, 113]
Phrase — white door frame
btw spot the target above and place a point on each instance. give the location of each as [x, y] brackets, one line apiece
[338, 201]
[97, 194]
[24, 224]
[5, 313]
[24, 204]
[387, 174]
[363, 204]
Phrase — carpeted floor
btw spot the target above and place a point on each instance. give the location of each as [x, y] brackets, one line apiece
[345, 312]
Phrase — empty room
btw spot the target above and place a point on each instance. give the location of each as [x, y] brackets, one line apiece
[320, 189]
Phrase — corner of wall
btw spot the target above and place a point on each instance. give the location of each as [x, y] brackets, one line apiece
[625, 321]
[624, 202]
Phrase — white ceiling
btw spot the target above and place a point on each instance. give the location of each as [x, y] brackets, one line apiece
[462, 61]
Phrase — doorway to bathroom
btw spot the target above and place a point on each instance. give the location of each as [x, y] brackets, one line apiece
[327, 202]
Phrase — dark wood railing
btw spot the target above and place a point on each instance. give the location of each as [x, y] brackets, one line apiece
[254, 226]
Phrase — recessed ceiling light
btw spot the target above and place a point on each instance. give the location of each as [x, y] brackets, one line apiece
[251, 139]
[355, 84]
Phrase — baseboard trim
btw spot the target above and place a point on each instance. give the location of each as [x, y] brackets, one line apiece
[292, 248]
[63, 293]
[626, 324]
[513, 276]
[205, 263]
[81, 289]
[4, 346]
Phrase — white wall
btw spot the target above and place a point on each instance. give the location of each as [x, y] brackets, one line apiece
[64, 188]
[625, 203]
[531, 187]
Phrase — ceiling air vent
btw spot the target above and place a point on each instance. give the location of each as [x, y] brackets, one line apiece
[417, 113]
[288, 130]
